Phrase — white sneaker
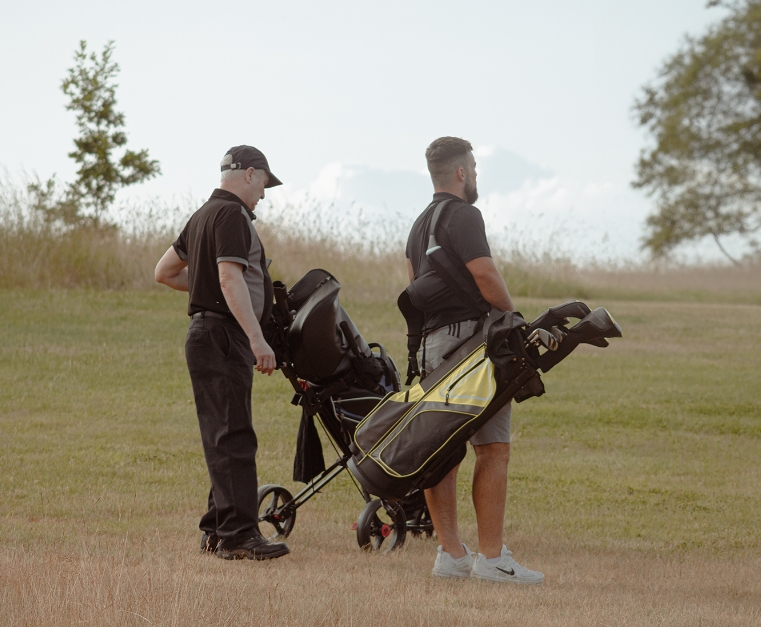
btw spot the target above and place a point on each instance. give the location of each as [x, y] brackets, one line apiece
[448, 566]
[506, 569]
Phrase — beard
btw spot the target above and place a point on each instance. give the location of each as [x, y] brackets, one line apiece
[471, 191]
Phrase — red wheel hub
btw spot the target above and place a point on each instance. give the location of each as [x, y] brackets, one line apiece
[386, 531]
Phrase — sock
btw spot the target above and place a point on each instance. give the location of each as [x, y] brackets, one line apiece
[493, 560]
[460, 559]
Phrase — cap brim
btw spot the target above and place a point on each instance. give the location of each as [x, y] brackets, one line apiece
[273, 182]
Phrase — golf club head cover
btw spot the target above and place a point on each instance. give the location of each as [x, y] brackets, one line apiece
[558, 315]
[592, 329]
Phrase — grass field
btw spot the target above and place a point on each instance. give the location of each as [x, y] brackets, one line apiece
[634, 482]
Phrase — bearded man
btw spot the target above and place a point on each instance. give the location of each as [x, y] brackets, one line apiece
[462, 235]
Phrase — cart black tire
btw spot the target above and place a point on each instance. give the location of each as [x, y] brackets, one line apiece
[271, 498]
[373, 534]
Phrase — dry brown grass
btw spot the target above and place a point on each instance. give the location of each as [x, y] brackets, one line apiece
[326, 581]
[364, 251]
[684, 283]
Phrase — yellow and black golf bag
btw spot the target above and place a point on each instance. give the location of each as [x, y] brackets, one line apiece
[413, 438]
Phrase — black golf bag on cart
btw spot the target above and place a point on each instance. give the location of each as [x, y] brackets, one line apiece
[338, 378]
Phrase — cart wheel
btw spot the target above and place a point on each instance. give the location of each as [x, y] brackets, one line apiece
[421, 523]
[381, 523]
[275, 525]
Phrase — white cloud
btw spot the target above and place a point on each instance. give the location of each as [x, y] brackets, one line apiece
[484, 151]
[562, 216]
[559, 215]
[531, 194]
[327, 186]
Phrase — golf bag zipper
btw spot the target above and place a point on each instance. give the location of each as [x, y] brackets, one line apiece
[461, 377]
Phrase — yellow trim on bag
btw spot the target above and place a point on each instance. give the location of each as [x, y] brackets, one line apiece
[473, 392]
[393, 473]
[477, 386]
[416, 393]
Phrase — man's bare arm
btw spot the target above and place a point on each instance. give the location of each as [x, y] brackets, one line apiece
[236, 295]
[172, 271]
[490, 283]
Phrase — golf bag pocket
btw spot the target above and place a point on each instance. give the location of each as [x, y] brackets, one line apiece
[386, 415]
[401, 438]
[403, 456]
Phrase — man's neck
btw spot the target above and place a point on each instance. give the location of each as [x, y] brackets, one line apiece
[455, 191]
[234, 189]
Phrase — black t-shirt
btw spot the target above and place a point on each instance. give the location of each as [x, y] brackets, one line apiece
[223, 230]
[461, 233]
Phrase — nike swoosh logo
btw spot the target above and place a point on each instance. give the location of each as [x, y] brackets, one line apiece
[507, 572]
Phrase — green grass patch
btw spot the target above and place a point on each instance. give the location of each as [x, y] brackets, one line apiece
[651, 443]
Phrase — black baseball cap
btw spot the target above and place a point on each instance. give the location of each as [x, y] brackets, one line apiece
[245, 157]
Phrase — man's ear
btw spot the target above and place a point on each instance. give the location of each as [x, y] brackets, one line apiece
[250, 174]
[460, 173]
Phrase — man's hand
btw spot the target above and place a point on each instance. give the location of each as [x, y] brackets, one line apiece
[265, 357]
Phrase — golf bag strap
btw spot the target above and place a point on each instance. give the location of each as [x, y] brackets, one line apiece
[442, 264]
[415, 320]
[426, 236]
[435, 221]
[413, 316]
[422, 259]
[438, 259]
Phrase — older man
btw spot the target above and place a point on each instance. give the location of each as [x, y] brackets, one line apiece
[461, 233]
[219, 260]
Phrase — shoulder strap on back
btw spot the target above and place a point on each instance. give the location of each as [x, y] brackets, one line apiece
[421, 265]
[438, 260]
[435, 221]
[442, 264]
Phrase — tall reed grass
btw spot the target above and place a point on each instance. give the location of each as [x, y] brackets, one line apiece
[364, 251]
[41, 253]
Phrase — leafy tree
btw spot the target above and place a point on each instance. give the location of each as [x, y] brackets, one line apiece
[704, 112]
[92, 95]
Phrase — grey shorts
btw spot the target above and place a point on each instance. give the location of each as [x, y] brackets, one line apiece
[437, 344]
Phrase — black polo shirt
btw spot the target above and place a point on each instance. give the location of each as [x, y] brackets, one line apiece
[462, 234]
[223, 230]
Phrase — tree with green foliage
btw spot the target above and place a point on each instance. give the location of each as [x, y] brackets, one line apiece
[704, 112]
[92, 95]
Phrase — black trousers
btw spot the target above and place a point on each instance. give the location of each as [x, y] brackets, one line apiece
[221, 365]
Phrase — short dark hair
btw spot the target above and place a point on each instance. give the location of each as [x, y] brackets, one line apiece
[443, 154]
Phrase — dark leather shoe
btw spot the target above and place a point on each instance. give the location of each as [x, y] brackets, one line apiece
[209, 543]
[255, 548]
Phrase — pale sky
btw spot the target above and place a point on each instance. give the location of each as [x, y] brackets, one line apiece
[344, 96]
